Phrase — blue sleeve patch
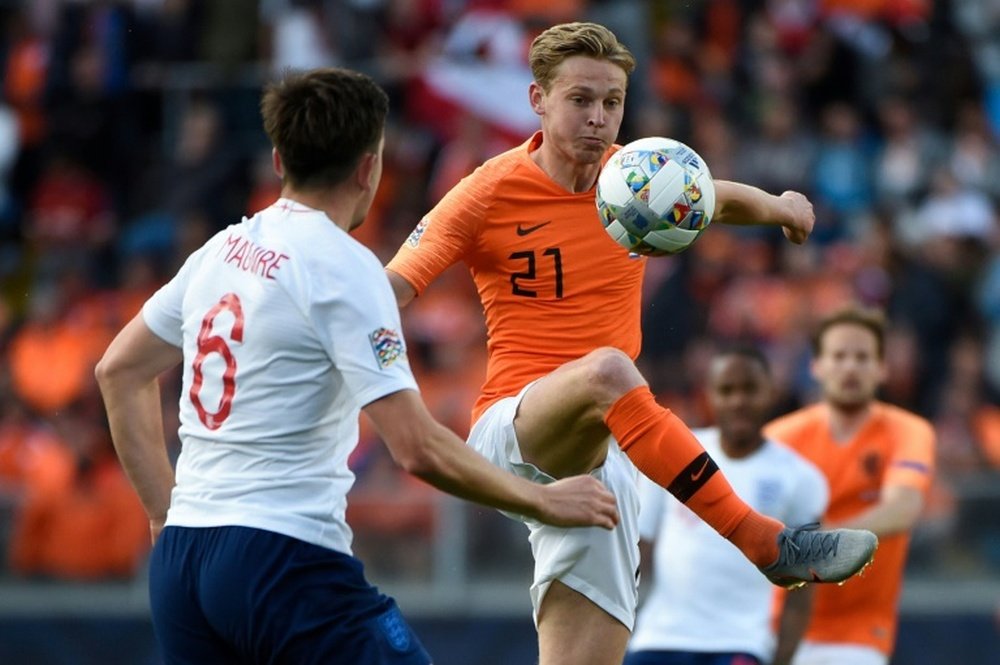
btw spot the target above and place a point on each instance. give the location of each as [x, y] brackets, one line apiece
[396, 632]
[916, 466]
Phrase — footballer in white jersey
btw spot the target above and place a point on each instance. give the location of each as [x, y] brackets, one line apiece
[727, 606]
[722, 615]
[284, 298]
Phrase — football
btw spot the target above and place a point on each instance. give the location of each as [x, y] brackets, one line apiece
[655, 196]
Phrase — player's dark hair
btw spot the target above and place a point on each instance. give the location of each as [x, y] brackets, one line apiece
[563, 41]
[869, 319]
[321, 122]
[748, 351]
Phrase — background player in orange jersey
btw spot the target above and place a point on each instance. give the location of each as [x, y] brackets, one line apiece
[562, 394]
[879, 460]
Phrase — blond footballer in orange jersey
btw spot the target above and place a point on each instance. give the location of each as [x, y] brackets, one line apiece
[879, 460]
[562, 311]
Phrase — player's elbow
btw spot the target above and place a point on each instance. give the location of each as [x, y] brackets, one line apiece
[101, 372]
[417, 459]
[107, 371]
[409, 431]
[413, 449]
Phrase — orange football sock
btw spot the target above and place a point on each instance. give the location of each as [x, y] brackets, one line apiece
[664, 449]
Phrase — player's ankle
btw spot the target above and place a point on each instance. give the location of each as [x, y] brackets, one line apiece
[757, 537]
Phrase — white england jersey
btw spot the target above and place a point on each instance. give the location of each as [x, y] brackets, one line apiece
[705, 595]
[288, 326]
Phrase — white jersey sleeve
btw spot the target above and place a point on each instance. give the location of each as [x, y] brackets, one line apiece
[357, 322]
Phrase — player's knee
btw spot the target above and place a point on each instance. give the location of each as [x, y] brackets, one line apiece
[610, 374]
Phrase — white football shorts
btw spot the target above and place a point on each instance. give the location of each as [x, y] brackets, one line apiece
[600, 564]
[829, 653]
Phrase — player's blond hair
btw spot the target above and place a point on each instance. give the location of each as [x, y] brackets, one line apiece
[565, 40]
[872, 320]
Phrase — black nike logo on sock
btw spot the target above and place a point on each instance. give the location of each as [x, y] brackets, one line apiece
[693, 477]
[525, 230]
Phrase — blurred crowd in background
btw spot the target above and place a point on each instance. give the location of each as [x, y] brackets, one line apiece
[129, 134]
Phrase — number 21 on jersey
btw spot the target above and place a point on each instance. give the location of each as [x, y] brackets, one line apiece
[209, 343]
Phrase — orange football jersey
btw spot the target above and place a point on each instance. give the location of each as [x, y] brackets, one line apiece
[894, 447]
[553, 284]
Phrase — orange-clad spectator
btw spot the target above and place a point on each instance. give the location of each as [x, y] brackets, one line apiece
[49, 363]
[52, 356]
[33, 460]
[879, 461]
[93, 527]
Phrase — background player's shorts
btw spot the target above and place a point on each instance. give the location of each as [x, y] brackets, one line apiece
[689, 658]
[235, 595]
[827, 653]
[600, 564]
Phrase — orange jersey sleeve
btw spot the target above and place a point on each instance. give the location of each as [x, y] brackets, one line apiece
[553, 285]
[894, 447]
[912, 463]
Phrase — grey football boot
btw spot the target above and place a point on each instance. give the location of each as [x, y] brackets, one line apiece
[808, 554]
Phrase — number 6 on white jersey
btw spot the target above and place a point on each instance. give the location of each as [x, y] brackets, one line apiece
[209, 343]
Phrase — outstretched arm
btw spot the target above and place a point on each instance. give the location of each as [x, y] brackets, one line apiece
[897, 510]
[432, 452]
[127, 376]
[743, 205]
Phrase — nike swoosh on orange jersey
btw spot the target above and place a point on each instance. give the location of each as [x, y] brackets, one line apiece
[525, 230]
[697, 474]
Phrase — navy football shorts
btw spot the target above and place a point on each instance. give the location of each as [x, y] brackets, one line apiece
[689, 658]
[237, 595]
